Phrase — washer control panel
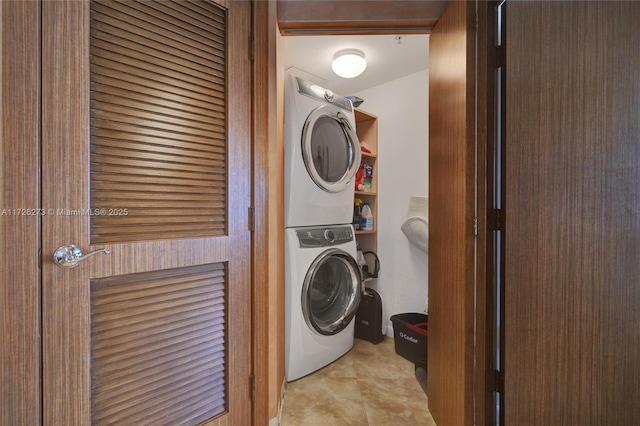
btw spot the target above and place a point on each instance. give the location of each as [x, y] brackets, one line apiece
[320, 93]
[324, 236]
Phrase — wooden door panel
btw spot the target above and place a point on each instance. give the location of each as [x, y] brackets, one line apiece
[451, 216]
[158, 340]
[183, 164]
[572, 228]
[146, 118]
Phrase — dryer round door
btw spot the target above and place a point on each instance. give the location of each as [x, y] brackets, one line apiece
[330, 148]
[331, 292]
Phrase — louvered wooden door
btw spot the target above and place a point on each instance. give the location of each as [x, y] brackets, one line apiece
[146, 152]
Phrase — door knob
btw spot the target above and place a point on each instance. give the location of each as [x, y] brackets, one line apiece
[69, 256]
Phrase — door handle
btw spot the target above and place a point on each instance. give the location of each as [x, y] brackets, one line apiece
[69, 256]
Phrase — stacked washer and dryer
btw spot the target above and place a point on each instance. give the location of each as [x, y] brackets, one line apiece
[323, 282]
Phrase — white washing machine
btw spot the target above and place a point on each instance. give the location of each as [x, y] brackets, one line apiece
[322, 155]
[323, 289]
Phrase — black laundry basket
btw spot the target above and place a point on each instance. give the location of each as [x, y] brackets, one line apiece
[410, 337]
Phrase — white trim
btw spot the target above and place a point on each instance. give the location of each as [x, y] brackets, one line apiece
[390, 330]
[276, 420]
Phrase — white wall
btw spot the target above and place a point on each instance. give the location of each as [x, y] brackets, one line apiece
[402, 110]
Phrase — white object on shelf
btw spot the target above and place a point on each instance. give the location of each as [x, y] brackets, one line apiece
[366, 223]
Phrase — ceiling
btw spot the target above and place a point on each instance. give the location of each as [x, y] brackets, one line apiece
[387, 58]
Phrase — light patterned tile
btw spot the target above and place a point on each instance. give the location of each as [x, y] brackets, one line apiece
[342, 367]
[369, 386]
[318, 401]
[398, 402]
[379, 361]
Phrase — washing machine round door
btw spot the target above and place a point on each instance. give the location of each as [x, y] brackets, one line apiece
[331, 292]
[330, 148]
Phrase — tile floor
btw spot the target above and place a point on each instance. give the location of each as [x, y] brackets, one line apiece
[369, 386]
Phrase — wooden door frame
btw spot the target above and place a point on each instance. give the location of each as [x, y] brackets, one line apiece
[20, 385]
[357, 21]
[267, 267]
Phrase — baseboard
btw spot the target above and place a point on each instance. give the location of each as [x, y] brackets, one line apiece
[390, 330]
[276, 420]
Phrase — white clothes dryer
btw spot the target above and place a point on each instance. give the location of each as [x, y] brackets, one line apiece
[323, 287]
[322, 155]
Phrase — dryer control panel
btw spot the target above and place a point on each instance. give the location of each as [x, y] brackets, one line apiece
[324, 236]
[322, 94]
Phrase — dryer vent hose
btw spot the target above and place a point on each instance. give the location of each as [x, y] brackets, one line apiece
[376, 265]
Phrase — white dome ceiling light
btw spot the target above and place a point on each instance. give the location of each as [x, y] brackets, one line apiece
[349, 63]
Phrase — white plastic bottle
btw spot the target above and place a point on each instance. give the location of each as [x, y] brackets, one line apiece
[366, 218]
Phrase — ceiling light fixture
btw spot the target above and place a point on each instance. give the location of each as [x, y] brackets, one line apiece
[349, 63]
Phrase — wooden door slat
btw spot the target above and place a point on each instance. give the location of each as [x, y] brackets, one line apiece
[168, 111]
[135, 83]
[127, 131]
[144, 354]
[139, 97]
[157, 16]
[101, 151]
[149, 34]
